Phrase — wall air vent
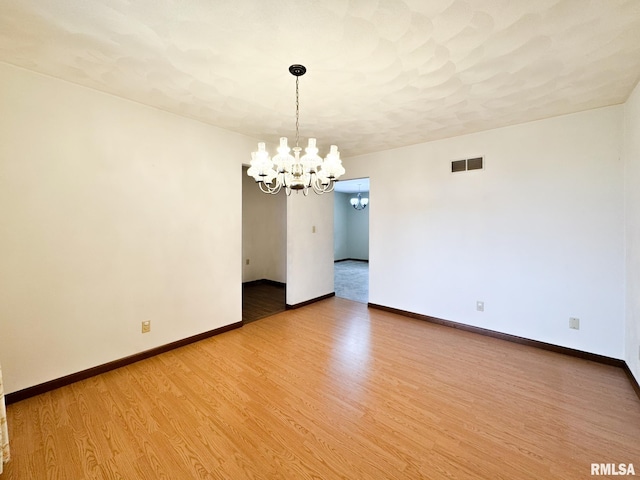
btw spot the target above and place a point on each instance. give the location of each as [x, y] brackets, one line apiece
[458, 165]
[475, 163]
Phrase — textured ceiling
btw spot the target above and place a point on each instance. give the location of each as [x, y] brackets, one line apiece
[381, 74]
[353, 186]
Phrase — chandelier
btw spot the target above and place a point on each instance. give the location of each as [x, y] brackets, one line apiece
[292, 171]
[358, 202]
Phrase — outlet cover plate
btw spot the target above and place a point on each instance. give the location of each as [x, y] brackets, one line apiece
[574, 323]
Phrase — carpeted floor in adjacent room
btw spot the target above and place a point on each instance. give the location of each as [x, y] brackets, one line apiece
[351, 280]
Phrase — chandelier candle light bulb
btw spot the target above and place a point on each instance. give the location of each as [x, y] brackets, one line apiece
[291, 171]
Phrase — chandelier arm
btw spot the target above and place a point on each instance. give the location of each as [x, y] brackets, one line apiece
[314, 185]
[282, 179]
[267, 189]
[264, 188]
[320, 189]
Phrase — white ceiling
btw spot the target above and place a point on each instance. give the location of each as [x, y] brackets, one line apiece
[353, 186]
[381, 74]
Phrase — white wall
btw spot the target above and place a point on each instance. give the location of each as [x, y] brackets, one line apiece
[632, 224]
[351, 235]
[309, 254]
[264, 233]
[358, 231]
[537, 236]
[340, 231]
[111, 213]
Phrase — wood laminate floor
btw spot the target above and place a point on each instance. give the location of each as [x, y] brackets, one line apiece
[333, 391]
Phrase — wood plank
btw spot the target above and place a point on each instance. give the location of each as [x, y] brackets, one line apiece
[334, 390]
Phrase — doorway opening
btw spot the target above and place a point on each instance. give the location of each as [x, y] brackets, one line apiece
[264, 251]
[351, 240]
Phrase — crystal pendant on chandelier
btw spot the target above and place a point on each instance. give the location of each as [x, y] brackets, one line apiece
[293, 172]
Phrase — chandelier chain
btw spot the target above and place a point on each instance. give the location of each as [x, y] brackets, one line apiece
[297, 112]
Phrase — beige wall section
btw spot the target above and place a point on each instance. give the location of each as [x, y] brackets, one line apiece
[264, 233]
[309, 253]
[632, 230]
[538, 236]
[111, 213]
[358, 230]
[351, 228]
[340, 233]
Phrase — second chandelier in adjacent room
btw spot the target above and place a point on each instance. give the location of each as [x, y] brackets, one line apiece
[359, 202]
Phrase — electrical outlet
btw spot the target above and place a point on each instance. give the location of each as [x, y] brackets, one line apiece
[480, 306]
[246, 262]
[146, 326]
[313, 229]
[574, 323]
